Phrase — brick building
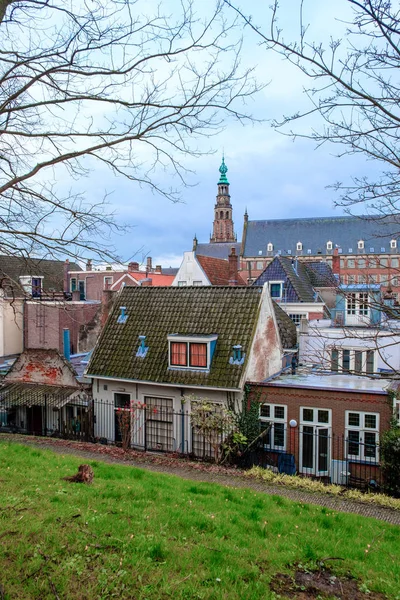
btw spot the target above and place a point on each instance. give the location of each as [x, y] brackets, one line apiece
[368, 247]
[330, 424]
[89, 284]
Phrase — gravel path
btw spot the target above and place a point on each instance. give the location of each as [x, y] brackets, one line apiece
[236, 480]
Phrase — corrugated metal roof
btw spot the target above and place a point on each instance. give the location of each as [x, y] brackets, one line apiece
[23, 394]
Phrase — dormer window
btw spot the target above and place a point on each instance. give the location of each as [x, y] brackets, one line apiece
[329, 245]
[299, 246]
[360, 245]
[270, 247]
[31, 285]
[276, 289]
[191, 352]
[393, 244]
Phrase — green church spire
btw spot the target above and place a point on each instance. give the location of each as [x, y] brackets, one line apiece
[223, 170]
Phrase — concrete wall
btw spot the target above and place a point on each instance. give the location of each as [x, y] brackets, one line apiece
[11, 327]
[190, 271]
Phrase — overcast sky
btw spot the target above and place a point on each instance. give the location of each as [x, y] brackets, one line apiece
[269, 174]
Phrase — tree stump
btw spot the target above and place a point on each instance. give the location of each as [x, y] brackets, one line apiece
[84, 475]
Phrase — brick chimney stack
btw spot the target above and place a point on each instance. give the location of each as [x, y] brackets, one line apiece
[336, 263]
[133, 266]
[89, 266]
[146, 282]
[149, 266]
[158, 269]
[233, 267]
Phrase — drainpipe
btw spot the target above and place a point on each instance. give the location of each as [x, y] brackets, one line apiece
[67, 344]
[182, 421]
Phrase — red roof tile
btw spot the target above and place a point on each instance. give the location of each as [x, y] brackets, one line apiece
[216, 269]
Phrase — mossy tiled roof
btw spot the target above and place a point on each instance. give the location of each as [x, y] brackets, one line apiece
[229, 312]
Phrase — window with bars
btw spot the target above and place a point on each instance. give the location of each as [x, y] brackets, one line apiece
[273, 421]
[362, 436]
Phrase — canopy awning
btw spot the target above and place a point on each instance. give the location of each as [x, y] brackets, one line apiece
[25, 394]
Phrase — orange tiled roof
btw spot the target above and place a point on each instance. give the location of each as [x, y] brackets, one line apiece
[216, 269]
[158, 279]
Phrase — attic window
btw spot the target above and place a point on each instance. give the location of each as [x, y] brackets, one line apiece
[191, 352]
[260, 253]
[123, 317]
[309, 251]
[299, 246]
[350, 250]
[382, 249]
[372, 250]
[289, 252]
[360, 245]
[393, 244]
[270, 247]
[329, 245]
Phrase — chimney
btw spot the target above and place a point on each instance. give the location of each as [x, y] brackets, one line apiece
[66, 276]
[146, 282]
[158, 269]
[133, 266]
[107, 301]
[194, 248]
[233, 267]
[89, 266]
[336, 263]
[149, 266]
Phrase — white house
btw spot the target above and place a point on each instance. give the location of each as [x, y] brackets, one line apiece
[161, 345]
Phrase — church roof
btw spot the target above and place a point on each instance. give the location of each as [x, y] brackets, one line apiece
[344, 232]
[217, 249]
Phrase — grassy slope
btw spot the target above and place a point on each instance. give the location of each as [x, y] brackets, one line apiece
[147, 536]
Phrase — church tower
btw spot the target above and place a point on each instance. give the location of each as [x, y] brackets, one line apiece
[223, 223]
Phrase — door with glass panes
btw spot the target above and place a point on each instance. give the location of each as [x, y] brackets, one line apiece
[315, 441]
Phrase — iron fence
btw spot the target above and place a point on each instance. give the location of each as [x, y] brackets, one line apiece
[351, 460]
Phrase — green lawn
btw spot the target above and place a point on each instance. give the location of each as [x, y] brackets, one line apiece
[136, 534]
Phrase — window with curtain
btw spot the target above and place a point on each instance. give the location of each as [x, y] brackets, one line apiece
[179, 354]
[198, 355]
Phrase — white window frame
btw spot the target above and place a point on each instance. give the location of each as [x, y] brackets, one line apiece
[329, 245]
[76, 284]
[184, 339]
[360, 244]
[396, 410]
[362, 429]
[273, 420]
[358, 310]
[197, 283]
[281, 283]
[299, 246]
[107, 278]
[296, 317]
[317, 426]
[182, 283]
[270, 247]
[393, 244]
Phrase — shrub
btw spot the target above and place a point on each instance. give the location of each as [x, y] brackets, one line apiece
[390, 459]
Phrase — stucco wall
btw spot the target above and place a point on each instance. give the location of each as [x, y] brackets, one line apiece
[190, 271]
[11, 327]
[105, 389]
